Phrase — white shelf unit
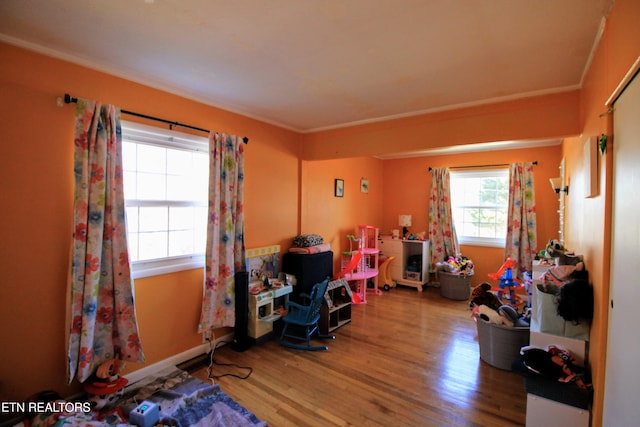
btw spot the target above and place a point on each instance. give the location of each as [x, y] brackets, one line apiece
[404, 250]
[542, 412]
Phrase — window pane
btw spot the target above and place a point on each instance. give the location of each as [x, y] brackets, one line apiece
[152, 186]
[201, 228]
[154, 219]
[152, 159]
[152, 245]
[166, 177]
[132, 219]
[181, 242]
[479, 203]
[129, 183]
[129, 156]
[132, 243]
[179, 161]
[181, 218]
[179, 188]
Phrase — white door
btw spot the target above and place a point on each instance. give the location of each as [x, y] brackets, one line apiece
[622, 382]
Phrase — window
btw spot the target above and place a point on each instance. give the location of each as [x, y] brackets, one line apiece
[166, 175]
[479, 203]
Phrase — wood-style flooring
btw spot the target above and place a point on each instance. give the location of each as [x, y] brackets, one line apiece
[406, 359]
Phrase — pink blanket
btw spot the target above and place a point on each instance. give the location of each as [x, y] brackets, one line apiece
[324, 247]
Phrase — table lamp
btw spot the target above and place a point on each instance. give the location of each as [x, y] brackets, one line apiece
[404, 221]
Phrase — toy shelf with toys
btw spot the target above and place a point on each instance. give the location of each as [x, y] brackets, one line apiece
[554, 401]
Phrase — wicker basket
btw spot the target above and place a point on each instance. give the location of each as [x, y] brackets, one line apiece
[455, 286]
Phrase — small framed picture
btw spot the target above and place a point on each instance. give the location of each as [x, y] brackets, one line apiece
[364, 185]
[339, 188]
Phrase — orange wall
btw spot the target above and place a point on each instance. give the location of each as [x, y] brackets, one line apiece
[289, 189]
[588, 219]
[335, 217]
[36, 177]
[407, 184]
[542, 117]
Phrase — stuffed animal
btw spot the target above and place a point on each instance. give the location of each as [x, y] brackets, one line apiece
[492, 316]
[444, 266]
[511, 314]
[554, 249]
[482, 295]
[554, 363]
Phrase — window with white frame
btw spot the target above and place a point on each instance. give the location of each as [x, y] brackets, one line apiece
[166, 175]
[479, 203]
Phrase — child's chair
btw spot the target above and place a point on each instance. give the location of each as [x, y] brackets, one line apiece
[301, 321]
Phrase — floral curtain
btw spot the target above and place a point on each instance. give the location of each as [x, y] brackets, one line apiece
[442, 232]
[521, 240]
[225, 231]
[101, 304]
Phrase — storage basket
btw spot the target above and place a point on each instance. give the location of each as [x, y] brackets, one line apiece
[455, 286]
[500, 345]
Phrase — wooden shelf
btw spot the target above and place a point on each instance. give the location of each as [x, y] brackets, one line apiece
[337, 310]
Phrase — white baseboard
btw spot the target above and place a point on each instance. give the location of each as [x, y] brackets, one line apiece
[174, 360]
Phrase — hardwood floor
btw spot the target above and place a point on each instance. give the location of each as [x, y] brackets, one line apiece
[406, 359]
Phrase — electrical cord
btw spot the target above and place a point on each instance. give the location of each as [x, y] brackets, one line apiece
[212, 362]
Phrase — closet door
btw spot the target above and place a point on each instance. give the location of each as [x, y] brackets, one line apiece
[622, 382]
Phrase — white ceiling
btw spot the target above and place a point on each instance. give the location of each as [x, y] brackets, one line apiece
[315, 64]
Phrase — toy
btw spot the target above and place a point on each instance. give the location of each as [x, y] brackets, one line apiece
[554, 363]
[461, 265]
[482, 295]
[490, 315]
[510, 313]
[554, 249]
[106, 385]
[351, 238]
[507, 281]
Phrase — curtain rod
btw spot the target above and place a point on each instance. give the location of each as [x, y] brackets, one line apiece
[68, 99]
[535, 162]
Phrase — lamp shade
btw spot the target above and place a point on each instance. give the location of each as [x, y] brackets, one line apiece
[404, 220]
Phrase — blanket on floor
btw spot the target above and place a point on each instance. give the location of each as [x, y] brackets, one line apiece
[184, 401]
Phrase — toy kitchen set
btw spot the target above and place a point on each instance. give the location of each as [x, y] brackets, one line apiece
[268, 291]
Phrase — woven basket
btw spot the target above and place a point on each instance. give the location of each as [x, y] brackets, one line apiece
[455, 286]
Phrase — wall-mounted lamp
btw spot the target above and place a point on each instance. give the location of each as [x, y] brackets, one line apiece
[556, 184]
[404, 221]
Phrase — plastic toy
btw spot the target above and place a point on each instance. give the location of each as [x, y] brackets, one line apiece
[385, 274]
[508, 284]
[106, 385]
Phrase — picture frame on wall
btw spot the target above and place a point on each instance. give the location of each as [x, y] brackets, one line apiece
[338, 190]
[364, 185]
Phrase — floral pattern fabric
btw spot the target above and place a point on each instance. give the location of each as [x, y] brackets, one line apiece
[442, 232]
[225, 231]
[521, 242]
[101, 304]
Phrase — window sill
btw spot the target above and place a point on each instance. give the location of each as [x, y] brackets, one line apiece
[159, 267]
[476, 241]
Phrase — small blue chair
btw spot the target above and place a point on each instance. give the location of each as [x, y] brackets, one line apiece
[301, 321]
